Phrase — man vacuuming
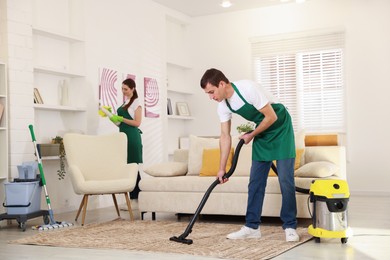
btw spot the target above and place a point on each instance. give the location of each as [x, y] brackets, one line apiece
[273, 139]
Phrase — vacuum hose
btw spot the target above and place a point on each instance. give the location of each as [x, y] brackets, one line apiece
[182, 237]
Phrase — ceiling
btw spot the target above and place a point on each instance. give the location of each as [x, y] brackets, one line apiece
[195, 8]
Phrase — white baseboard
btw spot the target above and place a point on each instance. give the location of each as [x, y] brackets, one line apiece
[370, 193]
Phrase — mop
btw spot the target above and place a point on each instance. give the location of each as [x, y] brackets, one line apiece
[52, 223]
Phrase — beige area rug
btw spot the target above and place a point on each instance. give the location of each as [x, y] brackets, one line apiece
[209, 239]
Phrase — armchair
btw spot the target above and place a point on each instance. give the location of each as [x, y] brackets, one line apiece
[98, 166]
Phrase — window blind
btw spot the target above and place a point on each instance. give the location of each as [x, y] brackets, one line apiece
[305, 72]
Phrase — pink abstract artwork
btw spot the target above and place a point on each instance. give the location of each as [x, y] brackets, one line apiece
[107, 88]
[152, 97]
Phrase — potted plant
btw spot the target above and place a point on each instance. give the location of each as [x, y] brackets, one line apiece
[61, 172]
[243, 128]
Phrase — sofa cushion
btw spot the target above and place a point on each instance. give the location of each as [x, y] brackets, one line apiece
[198, 144]
[195, 153]
[298, 158]
[245, 161]
[300, 144]
[167, 169]
[195, 184]
[319, 169]
[211, 160]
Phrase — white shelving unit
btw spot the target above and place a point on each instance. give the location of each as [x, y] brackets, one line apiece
[4, 141]
[4, 171]
[179, 85]
[180, 117]
[58, 56]
[56, 35]
[57, 72]
[59, 108]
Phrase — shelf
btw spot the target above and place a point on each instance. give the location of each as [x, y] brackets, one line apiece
[59, 108]
[56, 35]
[180, 117]
[178, 65]
[4, 122]
[180, 91]
[50, 158]
[58, 72]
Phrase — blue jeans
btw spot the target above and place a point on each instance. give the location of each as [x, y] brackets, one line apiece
[256, 191]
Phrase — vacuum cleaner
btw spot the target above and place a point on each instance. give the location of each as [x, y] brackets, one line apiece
[329, 197]
[330, 201]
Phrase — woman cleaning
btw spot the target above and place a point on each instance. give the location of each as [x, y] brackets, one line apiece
[130, 116]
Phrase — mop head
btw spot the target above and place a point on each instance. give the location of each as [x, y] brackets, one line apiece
[57, 225]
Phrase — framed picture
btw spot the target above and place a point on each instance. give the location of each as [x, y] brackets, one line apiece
[182, 109]
[37, 96]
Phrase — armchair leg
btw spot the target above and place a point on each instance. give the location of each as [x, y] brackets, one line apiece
[84, 209]
[80, 207]
[116, 205]
[129, 205]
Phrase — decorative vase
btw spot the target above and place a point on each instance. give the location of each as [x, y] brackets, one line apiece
[64, 93]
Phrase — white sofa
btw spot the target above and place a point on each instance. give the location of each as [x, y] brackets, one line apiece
[176, 187]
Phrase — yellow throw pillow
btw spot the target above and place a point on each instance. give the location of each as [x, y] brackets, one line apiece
[211, 161]
[298, 157]
[297, 164]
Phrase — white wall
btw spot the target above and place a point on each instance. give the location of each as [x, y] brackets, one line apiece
[126, 36]
[222, 41]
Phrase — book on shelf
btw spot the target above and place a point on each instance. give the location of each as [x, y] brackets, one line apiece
[37, 97]
[169, 107]
[1, 111]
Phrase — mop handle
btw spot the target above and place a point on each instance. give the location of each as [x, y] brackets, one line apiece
[39, 159]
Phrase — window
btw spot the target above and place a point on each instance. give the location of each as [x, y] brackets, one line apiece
[305, 72]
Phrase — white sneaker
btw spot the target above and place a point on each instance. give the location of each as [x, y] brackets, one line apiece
[291, 235]
[245, 232]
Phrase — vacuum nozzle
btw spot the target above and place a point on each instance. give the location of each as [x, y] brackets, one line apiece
[181, 239]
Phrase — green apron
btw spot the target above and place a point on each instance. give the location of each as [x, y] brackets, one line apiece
[276, 142]
[134, 142]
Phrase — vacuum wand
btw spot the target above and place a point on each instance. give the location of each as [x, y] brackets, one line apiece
[182, 237]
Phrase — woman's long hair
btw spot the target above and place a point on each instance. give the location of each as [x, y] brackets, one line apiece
[131, 84]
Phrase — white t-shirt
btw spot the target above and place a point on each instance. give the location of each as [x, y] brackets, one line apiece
[252, 92]
[132, 107]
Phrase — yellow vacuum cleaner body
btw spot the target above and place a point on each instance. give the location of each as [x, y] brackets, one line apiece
[330, 201]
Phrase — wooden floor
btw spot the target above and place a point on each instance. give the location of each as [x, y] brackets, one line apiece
[369, 217]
